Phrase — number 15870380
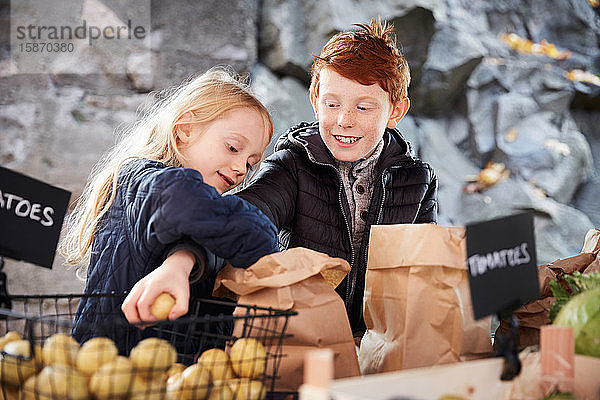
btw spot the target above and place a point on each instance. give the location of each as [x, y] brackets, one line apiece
[50, 47]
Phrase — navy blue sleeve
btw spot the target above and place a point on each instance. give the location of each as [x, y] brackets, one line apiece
[169, 204]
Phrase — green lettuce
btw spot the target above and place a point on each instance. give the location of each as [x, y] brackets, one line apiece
[577, 283]
[579, 308]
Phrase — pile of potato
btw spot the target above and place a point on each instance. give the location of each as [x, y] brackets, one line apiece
[61, 369]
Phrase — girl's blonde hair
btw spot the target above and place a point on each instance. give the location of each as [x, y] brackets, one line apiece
[154, 136]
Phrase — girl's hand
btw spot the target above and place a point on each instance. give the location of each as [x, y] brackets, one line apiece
[171, 277]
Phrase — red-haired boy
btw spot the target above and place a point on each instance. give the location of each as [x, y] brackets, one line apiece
[330, 180]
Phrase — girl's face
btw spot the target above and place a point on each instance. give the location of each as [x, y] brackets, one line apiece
[224, 150]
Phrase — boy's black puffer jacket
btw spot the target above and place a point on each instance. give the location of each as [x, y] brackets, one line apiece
[156, 207]
[300, 189]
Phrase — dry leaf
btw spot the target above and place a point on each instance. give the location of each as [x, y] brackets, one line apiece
[526, 46]
[511, 135]
[489, 176]
[558, 146]
[577, 75]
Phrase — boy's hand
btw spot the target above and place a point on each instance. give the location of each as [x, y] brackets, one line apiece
[171, 277]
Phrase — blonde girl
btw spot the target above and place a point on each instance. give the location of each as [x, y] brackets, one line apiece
[159, 189]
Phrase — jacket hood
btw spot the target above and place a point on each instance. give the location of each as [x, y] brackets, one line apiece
[305, 137]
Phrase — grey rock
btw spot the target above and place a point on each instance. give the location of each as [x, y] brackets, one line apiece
[458, 129]
[414, 31]
[139, 71]
[568, 24]
[286, 98]
[555, 161]
[22, 88]
[587, 122]
[411, 133]
[513, 108]
[452, 57]
[482, 116]
[483, 75]
[586, 198]
[283, 37]
[451, 49]
[451, 167]
[553, 92]
[198, 35]
[559, 229]
[587, 195]
[587, 96]
[26, 278]
[15, 144]
[96, 63]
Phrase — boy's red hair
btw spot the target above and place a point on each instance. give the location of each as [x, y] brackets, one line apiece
[367, 56]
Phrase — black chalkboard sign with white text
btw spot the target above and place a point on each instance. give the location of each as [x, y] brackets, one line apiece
[502, 264]
[31, 217]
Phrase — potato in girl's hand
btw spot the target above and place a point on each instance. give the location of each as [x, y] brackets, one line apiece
[162, 306]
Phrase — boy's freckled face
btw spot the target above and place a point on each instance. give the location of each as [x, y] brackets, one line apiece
[352, 117]
[225, 149]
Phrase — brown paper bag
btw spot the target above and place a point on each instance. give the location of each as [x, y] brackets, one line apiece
[417, 305]
[534, 315]
[296, 279]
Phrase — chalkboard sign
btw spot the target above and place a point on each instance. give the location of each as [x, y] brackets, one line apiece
[31, 217]
[502, 264]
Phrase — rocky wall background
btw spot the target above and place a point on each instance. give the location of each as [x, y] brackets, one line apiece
[474, 100]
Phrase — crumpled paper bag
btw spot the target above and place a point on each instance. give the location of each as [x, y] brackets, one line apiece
[302, 280]
[417, 305]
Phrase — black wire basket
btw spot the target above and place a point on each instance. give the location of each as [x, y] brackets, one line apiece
[195, 357]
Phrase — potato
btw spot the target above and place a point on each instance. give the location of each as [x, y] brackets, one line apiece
[247, 389]
[60, 381]
[192, 384]
[28, 389]
[175, 369]
[22, 348]
[155, 389]
[95, 353]
[153, 357]
[113, 379]
[221, 392]
[9, 393]
[10, 336]
[248, 358]
[60, 349]
[217, 362]
[174, 383]
[162, 306]
[18, 348]
[15, 370]
[39, 355]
